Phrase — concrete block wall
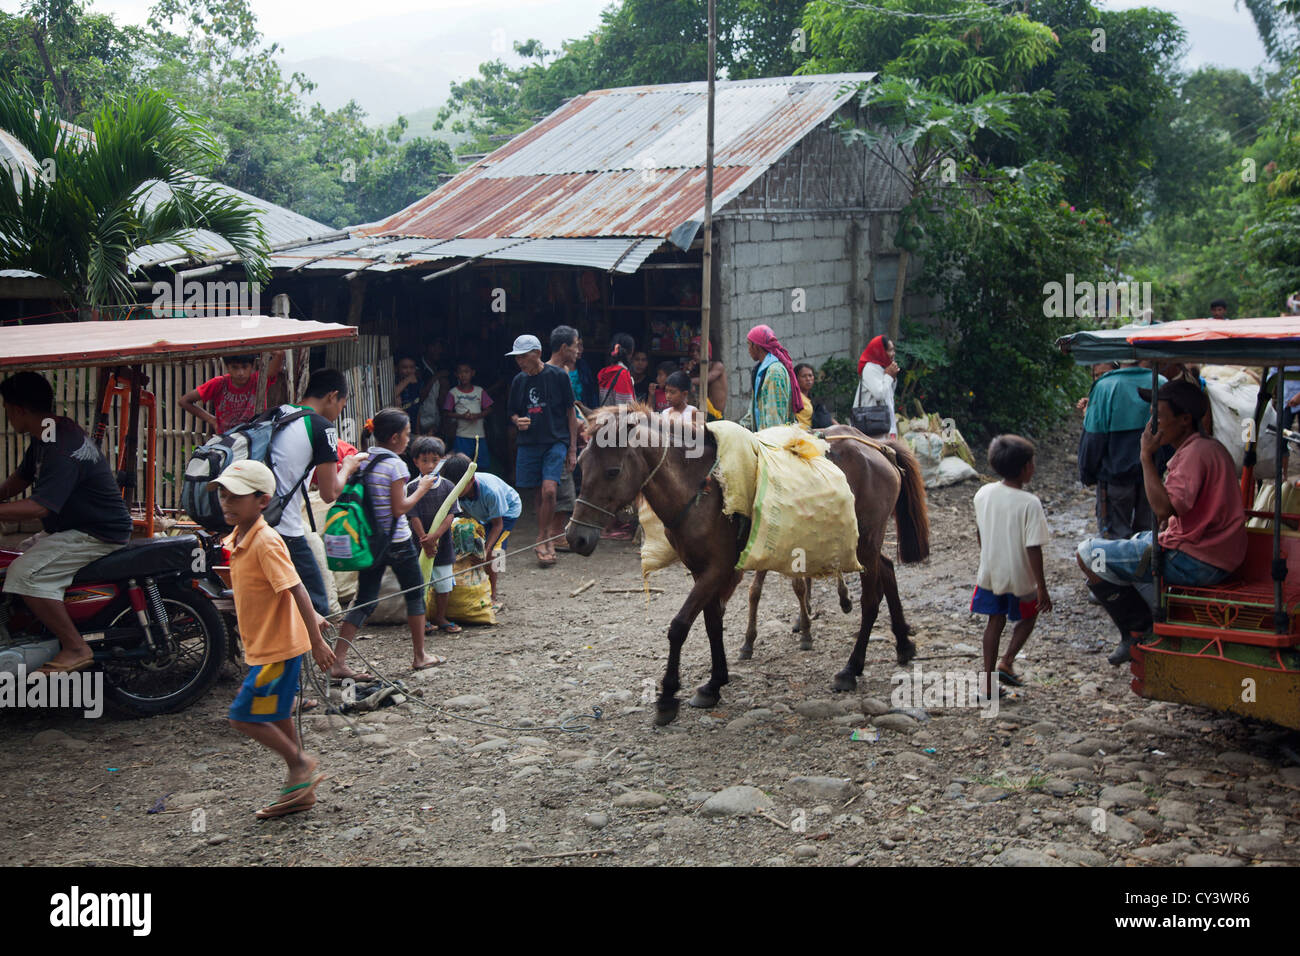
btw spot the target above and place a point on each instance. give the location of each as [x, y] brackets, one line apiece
[768, 266]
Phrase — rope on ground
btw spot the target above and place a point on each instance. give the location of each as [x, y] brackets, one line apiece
[425, 584]
[562, 726]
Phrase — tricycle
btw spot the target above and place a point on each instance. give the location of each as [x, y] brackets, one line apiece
[1232, 647]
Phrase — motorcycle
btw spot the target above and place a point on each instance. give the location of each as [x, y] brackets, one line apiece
[150, 611]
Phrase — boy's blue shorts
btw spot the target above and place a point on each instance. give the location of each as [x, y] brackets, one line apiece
[267, 693]
[537, 463]
[986, 602]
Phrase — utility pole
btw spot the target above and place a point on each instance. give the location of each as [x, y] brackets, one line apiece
[706, 297]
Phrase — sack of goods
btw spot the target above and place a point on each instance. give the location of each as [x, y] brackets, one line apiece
[803, 517]
[470, 601]
[942, 451]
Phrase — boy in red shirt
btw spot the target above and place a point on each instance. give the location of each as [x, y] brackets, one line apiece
[233, 396]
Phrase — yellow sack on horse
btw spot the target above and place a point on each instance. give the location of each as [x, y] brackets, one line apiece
[656, 552]
[804, 520]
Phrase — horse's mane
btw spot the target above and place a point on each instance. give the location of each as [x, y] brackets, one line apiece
[636, 415]
[599, 416]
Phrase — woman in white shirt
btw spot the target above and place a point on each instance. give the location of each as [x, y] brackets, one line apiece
[879, 374]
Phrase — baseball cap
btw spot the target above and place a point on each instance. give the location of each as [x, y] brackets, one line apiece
[525, 344]
[244, 478]
[1183, 397]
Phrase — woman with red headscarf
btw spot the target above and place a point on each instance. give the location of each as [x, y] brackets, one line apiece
[879, 372]
[776, 399]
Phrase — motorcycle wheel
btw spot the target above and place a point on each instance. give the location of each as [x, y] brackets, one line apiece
[164, 685]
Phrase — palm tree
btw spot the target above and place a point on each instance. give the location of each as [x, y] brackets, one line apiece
[77, 210]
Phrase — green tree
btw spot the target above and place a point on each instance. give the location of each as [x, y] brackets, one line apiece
[57, 50]
[78, 217]
[923, 136]
[990, 254]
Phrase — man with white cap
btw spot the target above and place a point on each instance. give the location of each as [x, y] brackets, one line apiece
[540, 406]
[277, 625]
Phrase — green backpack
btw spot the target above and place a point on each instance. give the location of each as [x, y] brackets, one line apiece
[353, 541]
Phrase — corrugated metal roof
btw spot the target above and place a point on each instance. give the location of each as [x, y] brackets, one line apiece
[601, 182]
[626, 162]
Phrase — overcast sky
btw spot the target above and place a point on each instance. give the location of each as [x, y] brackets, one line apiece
[401, 57]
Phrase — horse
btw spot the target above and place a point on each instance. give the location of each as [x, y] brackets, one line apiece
[676, 478]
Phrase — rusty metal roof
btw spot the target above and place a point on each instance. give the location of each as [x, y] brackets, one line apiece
[626, 162]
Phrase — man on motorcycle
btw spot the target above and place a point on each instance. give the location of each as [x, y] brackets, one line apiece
[76, 497]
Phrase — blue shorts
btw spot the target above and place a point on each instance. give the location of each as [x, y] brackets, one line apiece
[1128, 561]
[1015, 609]
[475, 449]
[267, 693]
[537, 463]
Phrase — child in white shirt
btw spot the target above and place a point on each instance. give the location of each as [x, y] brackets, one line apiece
[1012, 530]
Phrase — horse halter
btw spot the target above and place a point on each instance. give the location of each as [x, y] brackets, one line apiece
[582, 501]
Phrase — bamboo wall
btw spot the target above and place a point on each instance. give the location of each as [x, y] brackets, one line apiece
[366, 363]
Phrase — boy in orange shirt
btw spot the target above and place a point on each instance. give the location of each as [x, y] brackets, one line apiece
[278, 626]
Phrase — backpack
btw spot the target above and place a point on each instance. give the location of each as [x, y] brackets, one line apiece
[250, 440]
[353, 541]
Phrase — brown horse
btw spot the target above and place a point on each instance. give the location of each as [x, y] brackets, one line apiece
[646, 458]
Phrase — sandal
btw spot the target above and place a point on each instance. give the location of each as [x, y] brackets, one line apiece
[293, 799]
[53, 667]
[1010, 677]
[436, 662]
[451, 627]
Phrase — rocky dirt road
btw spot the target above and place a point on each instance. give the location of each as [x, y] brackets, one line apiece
[1077, 771]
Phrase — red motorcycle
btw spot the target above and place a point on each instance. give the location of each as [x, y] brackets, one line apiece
[150, 613]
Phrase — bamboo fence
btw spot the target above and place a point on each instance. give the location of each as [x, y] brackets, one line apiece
[366, 363]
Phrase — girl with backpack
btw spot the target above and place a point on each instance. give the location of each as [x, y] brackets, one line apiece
[386, 477]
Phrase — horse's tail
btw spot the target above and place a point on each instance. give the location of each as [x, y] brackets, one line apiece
[910, 512]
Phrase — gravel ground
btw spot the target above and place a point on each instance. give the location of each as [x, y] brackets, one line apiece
[1078, 771]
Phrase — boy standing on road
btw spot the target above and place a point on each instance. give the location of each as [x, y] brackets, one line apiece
[1012, 530]
[277, 624]
[541, 408]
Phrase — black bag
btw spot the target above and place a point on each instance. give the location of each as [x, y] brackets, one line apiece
[872, 420]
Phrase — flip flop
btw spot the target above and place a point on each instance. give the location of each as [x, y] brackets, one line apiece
[308, 784]
[1009, 677]
[451, 628]
[53, 667]
[436, 662]
[293, 799]
[309, 704]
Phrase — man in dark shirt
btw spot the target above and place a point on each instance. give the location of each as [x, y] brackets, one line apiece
[541, 407]
[75, 495]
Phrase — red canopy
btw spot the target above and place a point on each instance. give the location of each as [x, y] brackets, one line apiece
[78, 344]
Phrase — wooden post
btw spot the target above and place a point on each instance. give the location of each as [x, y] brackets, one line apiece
[706, 290]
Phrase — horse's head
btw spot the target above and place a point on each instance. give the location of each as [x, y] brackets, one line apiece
[615, 464]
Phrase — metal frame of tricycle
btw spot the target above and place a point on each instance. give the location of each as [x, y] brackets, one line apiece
[1213, 674]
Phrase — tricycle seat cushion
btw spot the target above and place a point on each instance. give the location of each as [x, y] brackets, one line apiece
[143, 558]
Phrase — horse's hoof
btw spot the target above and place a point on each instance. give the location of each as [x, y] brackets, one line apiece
[806, 644]
[746, 652]
[665, 715]
[906, 652]
[846, 605]
[844, 682]
[705, 700]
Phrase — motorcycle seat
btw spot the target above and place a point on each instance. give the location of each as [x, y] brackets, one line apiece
[143, 558]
